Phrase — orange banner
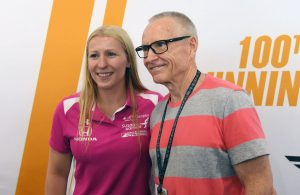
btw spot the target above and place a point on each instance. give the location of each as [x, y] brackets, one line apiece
[58, 77]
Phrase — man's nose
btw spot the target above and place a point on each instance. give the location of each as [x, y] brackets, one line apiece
[151, 55]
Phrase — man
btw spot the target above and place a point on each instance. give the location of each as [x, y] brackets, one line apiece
[206, 135]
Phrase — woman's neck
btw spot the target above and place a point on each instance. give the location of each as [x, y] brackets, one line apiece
[110, 100]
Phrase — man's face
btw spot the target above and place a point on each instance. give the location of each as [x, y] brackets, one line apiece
[172, 64]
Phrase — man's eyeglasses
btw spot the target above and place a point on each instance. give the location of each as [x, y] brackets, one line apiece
[158, 47]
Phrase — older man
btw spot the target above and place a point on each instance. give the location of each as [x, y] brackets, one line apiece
[206, 134]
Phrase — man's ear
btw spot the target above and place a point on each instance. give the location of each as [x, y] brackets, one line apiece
[194, 43]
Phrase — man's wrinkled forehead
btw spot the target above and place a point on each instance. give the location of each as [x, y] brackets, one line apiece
[160, 29]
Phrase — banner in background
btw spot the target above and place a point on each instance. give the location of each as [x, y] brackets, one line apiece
[254, 44]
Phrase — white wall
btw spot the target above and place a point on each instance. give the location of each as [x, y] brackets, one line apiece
[24, 26]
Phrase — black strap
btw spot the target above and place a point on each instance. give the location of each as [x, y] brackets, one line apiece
[162, 168]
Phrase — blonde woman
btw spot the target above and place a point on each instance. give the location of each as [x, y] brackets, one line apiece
[105, 127]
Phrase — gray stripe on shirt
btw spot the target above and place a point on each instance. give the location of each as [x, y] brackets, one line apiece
[248, 150]
[196, 162]
[218, 102]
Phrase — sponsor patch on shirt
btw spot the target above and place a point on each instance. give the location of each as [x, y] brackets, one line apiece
[134, 133]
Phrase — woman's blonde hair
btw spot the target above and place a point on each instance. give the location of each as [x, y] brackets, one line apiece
[89, 92]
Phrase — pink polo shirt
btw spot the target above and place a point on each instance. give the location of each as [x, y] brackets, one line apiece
[112, 157]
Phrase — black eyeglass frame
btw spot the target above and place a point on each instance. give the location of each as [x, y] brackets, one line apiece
[147, 47]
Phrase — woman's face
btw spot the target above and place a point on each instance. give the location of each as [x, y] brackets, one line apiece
[107, 62]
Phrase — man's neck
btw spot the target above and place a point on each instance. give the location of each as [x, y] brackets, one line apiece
[179, 85]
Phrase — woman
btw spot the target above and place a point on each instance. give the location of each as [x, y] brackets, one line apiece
[105, 127]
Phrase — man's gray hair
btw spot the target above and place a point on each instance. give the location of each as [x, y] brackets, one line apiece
[186, 23]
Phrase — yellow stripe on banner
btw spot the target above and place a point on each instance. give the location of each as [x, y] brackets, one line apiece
[114, 12]
[58, 77]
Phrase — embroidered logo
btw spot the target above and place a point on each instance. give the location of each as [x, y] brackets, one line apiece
[86, 133]
[134, 133]
[132, 129]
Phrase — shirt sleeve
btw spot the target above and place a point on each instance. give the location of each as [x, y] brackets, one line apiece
[160, 97]
[58, 141]
[242, 130]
